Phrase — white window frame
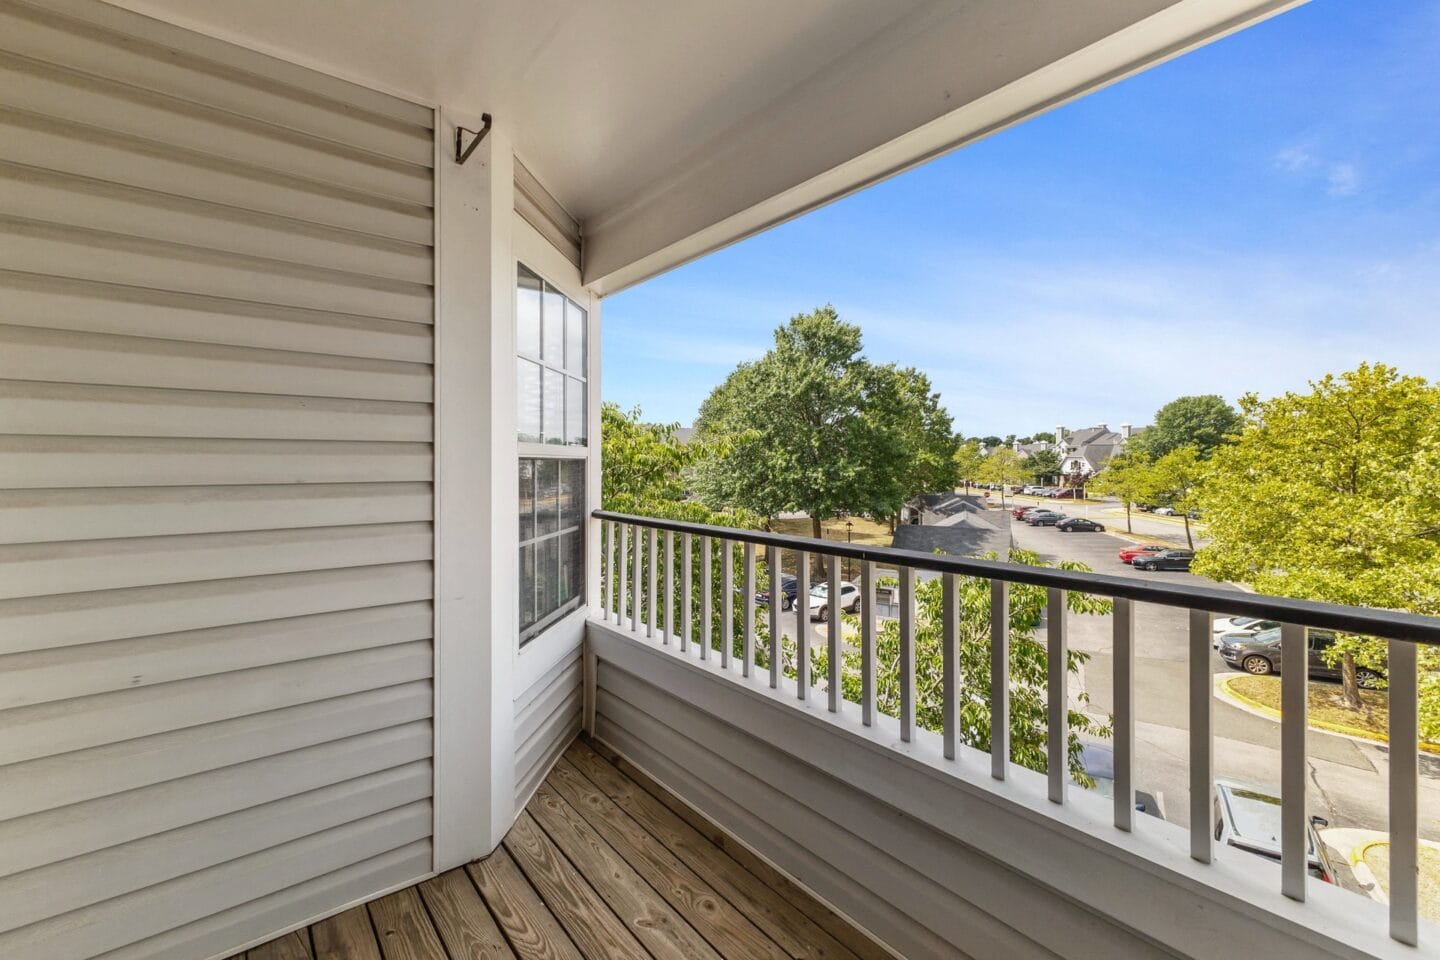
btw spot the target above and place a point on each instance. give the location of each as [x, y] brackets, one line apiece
[555, 641]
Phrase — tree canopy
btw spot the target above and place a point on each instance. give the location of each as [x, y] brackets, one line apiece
[816, 427]
[1334, 494]
[1043, 464]
[1003, 466]
[1128, 476]
[1202, 422]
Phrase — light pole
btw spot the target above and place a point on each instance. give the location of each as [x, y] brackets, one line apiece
[849, 525]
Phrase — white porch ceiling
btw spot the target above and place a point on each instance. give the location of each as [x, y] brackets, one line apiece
[671, 127]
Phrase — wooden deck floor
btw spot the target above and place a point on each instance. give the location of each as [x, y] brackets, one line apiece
[603, 864]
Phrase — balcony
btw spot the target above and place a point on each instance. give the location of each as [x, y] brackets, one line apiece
[940, 849]
[605, 862]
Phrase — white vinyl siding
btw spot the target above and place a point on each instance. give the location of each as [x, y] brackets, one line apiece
[216, 347]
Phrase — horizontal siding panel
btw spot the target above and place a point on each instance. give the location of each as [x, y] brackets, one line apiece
[34, 194]
[263, 69]
[57, 781]
[27, 462]
[54, 409]
[544, 696]
[66, 832]
[115, 923]
[538, 755]
[44, 36]
[33, 516]
[64, 673]
[78, 882]
[35, 623]
[63, 356]
[59, 303]
[53, 144]
[42, 88]
[81, 566]
[31, 732]
[34, 246]
[217, 935]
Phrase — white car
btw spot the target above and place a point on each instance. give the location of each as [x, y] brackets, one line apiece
[1240, 626]
[1164, 511]
[820, 600]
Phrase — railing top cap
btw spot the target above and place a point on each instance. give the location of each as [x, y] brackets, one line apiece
[1391, 624]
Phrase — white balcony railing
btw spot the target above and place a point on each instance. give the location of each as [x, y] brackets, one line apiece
[639, 599]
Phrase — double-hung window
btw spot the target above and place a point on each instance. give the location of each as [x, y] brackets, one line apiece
[551, 403]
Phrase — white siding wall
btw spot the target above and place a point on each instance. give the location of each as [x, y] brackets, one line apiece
[547, 718]
[215, 490]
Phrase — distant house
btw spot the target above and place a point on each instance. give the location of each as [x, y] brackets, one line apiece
[1084, 452]
[683, 434]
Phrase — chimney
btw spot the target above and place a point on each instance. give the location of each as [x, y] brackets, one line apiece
[1059, 436]
[1126, 430]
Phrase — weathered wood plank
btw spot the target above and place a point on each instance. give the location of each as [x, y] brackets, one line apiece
[799, 935]
[404, 931]
[345, 936]
[461, 919]
[293, 946]
[586, 917]
[705, 909]
[657, 925]
[839, 929]
[531, 928]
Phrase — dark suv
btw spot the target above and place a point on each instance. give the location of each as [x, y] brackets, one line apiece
[1164, 560]
[1260, 655]
[788, 587]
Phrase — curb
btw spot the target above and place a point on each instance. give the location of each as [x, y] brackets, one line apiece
[1224, 692]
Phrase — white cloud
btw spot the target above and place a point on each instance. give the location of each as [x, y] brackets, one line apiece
[1295, 159]
[1343, 180]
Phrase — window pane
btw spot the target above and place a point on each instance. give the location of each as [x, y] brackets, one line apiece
[553, 407]
[527, 399]
[547, 497]
[572, 493]
[527, 500]
[553, 349]
[574, 338]
[574, 411]
[547, 576]
[527, 586]
[572, 565]
[527, 313]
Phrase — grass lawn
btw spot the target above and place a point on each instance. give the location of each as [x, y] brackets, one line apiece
[1377, 858]
[865, 531]
[1327, 703]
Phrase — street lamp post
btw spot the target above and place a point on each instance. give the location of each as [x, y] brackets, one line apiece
[848, 527]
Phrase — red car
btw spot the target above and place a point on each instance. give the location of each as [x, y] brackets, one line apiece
[1129, 554]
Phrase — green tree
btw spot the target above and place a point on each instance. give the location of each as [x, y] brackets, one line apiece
[1334, 494]
[992, 441]
[1028, 659]
[903, 403]
[1004, 467]
[1203, 422]
[813, 426]
[1175, 481]
[968, 463]
[1129, 476]
[643, 474]
[1042, 465]
[1043, 436]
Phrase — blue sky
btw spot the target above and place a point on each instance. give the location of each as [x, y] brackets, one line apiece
[1244, 218]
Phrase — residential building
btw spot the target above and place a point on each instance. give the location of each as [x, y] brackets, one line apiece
[1083, 453]
[305, 598]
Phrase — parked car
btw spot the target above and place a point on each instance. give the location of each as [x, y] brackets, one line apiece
[1019, 512]
[1128, 554]
[1248, 818]
[1027, 512]
[1164, 511]
[1241, 627]
[1074, 493]
[1260, 655]
[788, 587]
[1079, 525]
[1044, 518]
[1164, 560]
[820, 600]
[1098, 759]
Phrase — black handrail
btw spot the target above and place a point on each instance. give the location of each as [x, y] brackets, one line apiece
[1366, 621]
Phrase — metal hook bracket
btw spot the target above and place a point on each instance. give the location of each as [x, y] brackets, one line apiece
[462, 152]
